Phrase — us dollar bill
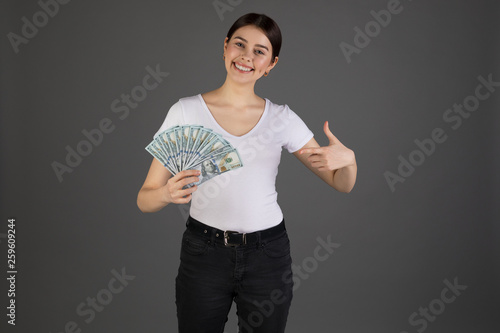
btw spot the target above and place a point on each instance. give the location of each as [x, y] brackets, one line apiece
[216, 165]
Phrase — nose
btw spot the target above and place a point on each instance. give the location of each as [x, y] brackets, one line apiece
[246, 55]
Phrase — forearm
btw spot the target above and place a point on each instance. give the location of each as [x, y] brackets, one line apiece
[345, 178]
[151, 200]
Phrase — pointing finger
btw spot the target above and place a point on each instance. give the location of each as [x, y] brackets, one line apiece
[317, 150]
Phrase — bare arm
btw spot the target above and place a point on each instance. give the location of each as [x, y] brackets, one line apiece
[335, 164]
[160, 188]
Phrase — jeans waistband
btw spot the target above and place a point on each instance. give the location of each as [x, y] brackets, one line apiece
[233, 238]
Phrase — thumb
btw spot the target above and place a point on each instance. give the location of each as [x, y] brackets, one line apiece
[332, 138]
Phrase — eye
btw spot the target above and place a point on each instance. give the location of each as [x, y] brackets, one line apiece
[238, 44]
[260, 52]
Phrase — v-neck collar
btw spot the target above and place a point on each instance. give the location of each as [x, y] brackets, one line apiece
[205, 106]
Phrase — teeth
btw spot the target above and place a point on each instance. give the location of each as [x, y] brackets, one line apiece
[242, 68]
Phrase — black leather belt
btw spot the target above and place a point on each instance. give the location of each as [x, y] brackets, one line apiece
[234, 238]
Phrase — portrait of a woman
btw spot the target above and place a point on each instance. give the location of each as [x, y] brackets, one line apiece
[236, 248]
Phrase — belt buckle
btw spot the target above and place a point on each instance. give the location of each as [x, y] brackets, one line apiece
[226, 236]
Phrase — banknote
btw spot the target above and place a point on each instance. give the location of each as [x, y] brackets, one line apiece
[216, 165]
[189, 147]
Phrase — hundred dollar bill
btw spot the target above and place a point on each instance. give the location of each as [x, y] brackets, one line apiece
[215, 145]
[160, 158]
[196, 136]
[201, 144]
[185, 144]
[184, 147]
[164, 142]
[216, 165]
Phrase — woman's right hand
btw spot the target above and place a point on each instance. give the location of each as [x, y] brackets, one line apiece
[173, 188]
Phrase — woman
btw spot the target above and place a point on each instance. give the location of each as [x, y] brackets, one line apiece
[235, 246]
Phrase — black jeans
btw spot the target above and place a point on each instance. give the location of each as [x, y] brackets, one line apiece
[256, 275]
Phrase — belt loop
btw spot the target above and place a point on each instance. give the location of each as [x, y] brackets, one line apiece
[258, 239]
[212, 236]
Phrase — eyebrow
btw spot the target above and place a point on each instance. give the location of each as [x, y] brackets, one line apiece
[259, 45]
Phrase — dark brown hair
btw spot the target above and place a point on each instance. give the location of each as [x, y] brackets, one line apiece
[266, 24]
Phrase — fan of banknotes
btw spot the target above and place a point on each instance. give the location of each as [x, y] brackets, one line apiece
[189, 147]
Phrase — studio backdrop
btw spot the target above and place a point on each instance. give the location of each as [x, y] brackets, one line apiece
[412, 87]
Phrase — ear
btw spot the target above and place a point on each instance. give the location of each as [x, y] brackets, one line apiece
[225, 43]
[271, 66]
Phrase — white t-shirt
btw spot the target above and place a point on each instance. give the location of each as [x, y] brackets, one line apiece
[244, 199]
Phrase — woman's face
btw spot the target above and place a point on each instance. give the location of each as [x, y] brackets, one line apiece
[248, 48]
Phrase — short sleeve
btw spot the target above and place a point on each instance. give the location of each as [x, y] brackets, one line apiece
[174, 117]
[298, 134]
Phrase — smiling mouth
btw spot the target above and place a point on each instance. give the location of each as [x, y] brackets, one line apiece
[242, 68]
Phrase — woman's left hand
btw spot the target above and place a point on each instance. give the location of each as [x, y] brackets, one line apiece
[332, 157]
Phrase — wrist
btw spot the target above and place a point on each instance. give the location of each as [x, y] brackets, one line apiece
[165, 197]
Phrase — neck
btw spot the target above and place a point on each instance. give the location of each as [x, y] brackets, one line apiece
[237, 94]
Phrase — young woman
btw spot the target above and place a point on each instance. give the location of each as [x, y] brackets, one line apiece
[235, 246]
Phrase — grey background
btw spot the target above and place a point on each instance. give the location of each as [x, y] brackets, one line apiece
[396, 247]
